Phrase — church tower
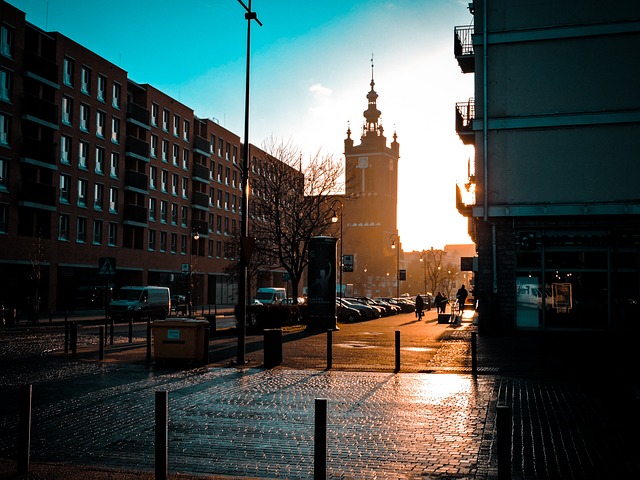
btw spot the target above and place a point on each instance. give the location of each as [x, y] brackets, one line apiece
[371, 200]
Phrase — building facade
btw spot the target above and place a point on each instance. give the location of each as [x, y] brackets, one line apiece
[95, 167]
[554, 199]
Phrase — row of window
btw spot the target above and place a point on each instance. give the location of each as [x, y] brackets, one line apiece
[82, 194]
[83, 158]
[86, 82]
[85, 120]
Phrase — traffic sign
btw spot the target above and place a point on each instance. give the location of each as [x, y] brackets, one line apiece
[106, 266]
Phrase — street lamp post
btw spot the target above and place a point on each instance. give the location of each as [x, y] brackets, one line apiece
[424, 264]
[334, 219]
[393, 239]
[195, 236]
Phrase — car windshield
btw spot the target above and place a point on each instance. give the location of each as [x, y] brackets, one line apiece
[129, 294]
[264, 296]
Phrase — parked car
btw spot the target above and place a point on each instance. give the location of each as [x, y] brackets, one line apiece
[348, 314]
[137, 302]
[369, 312]
[379, 311]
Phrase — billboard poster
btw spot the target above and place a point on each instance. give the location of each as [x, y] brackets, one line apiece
[321, 286]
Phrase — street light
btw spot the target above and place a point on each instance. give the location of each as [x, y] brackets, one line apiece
[334, 219]
[196, 236]
[424, 264]
[397, 248]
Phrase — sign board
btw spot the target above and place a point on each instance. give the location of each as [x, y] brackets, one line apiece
[347, 263]
[185, 269]
[106, 266]
[402, 275]
[469, 264]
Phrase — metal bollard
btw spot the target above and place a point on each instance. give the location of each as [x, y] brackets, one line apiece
[162, 435]
[131, 330]
[66, 334]
[50, 317]
[74, 338]
[101, 343]
[205, 358]
[329, 349]
[24, 429]
[111, 332]
[474, 353]
[320, 439]
[397, 350]
[148, 340]
[503, 426]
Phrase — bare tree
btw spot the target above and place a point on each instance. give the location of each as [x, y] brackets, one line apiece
[290, 198]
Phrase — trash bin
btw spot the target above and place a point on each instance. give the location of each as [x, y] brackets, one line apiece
[184, 339]
[272, 347]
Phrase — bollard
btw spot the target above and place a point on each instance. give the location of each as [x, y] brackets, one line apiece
[131, 330]
[74, 338]
[111, 332]
[272, 347]
[101, 343]
[474, 353]
[66, 334]
[503, 426]
[106, 329]
[397, 350]
[50, 317]
[148, 340]
[329, 349]
[320, 439]
[24, 429]
[162, 435]
[205, 357]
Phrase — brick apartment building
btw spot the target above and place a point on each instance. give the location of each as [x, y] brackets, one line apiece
[95, 166]
[555, 123]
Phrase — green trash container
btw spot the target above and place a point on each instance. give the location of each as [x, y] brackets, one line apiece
[181, 339]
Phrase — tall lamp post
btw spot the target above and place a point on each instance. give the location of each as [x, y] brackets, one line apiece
[195, 236]
[423, 259]
[334, 219]
[393, 239]
[245, 243]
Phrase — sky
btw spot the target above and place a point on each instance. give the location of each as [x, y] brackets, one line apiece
[310, 74]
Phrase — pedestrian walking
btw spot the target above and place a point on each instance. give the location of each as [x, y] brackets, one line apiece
[441, 303]
[462, 295]
[419, 307]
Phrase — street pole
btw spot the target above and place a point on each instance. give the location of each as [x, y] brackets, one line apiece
[244, 254]
[397, 247]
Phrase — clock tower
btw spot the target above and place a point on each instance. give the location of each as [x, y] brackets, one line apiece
[371, 200]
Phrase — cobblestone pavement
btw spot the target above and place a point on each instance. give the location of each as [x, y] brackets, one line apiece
[252, 422]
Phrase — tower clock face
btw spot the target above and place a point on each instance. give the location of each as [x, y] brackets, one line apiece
[363, 162]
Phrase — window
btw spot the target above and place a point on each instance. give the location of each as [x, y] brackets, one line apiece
[83, 150]
[185, 212]
[100, 121]
[4, 129]
[115, 99]
[82, 192]
[113, 200]
[113, 234]
[98, 196]
[220, 146]
[4, 174]
[67, 110]
[183, 244]
[234, 182]
[185, 130]
[4, 227]
[185, 159]
[227, 152]
[154, 114]
[85, 79]
[210, 248]
[174, 213]
[212, 196]
[5, 85]
[154, 146]
[102, 88]
[165, 150]
[84, 117]
[81, 230]
[115, 130]
[176, 155]
[211, 222]
[165, 120]
[152, 209]
[227, 174]
[6, 41]
[226, 200]
[212, 144]
[212, 170]
[164, 181]
[185, 187]
[65, 149]
[67, 75]
[226, 226]
[174, 183]
[163, 211]
[114, 164]
[219, 199]
[152, 240]
[65, 181]
[219, 173]
[176, 125]
[219, 225]
[218, 249]
[235, 154]
[97, 232]
[163, 241]
[153, 177]
[99, 160]
[174, 242]
[63, 227]
[234, 199]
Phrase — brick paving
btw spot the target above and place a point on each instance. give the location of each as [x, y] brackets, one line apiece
[256, 423]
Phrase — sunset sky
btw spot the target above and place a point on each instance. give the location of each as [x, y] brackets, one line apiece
[310, 73]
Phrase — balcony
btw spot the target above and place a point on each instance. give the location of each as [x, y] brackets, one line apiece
[200, 227]
[36, 108]
[200, 200]
[463, 48]
[465, 114]
[136, 180]
[40, 67]
[135, 214]
[201, 145]
[38, 151]
[37, 195]
[137, 148]
[200, 173]
[138, 113]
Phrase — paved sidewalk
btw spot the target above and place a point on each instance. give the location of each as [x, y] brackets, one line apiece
[571, 419]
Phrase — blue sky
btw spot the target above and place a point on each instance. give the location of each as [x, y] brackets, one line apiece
[310, 73]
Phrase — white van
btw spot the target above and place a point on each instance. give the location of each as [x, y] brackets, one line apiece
[271, 295]
[141, 302]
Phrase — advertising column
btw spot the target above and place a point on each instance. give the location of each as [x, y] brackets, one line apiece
[321, 286]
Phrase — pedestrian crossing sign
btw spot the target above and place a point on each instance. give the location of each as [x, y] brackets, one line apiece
[107, 266]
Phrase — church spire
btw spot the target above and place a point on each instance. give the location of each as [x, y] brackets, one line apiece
[372, 114]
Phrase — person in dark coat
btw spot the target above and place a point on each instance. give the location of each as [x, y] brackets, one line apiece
[462, 297]
[441, 303]
[419, 307]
